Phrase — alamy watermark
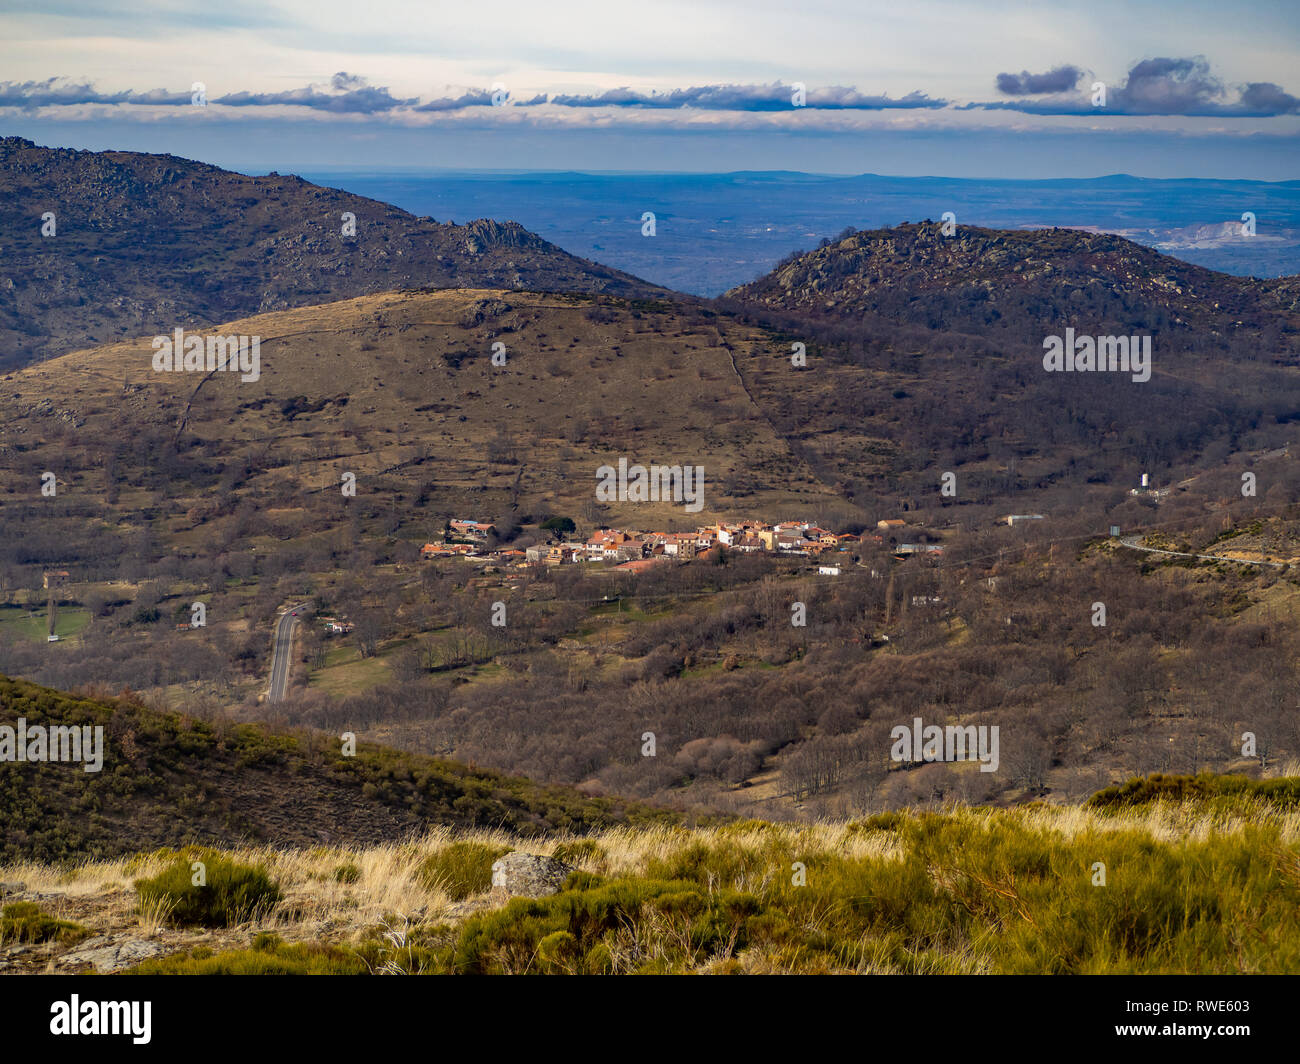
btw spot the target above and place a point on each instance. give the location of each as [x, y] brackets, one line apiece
[61, 742]
[77, 1017]
[657, 483]
[929, 742]
[1098, 354]
[205, 354]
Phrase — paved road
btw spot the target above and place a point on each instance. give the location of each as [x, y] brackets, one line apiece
[281, 652]
[1134, 543]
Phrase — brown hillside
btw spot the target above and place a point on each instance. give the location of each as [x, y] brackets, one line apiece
[400, 389]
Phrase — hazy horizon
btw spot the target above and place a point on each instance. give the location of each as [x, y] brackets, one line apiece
[719, 230]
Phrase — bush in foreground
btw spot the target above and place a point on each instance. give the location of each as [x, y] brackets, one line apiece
[1181, 888]
[460, 869]
[23, 921]
[227, 893]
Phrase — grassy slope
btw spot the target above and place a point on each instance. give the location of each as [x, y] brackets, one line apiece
[170, 780]
[1200, 876]
[399, 389]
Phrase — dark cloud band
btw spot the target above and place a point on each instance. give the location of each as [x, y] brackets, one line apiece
[1159, 86]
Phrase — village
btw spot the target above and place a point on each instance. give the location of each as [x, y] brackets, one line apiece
[633, 550]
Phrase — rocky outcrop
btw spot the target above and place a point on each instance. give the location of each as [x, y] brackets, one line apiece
[982, 281]
[527, 875]
[111, 953]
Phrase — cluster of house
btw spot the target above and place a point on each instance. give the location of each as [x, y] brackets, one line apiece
[636, 550]
[464, 538]
[336, 627]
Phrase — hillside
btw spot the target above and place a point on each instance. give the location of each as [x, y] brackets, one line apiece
[149, 243]
[401, 390]
[170, 780]
[175, 488]
[937, 344]
[1021, 282]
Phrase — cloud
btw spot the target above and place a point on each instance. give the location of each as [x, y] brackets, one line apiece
[1261, 99]
[1170, 87]
[472, 98]
[475, 98]
[1159, 87]
[347, 94]
[350, 94]
[55, 92]
[1182, 87]
[774, 97]
[1058, 79]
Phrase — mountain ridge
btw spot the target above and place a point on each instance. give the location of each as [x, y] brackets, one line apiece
[145, 243]
[914, 274]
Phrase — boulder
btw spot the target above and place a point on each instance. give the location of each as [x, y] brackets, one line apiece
[527, 875]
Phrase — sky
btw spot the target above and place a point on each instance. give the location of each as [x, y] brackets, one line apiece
[999, 89]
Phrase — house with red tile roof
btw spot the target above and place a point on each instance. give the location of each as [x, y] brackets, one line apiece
[604, 544]
[476, 530]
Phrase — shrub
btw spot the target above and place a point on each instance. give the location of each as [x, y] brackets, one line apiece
[890, 820]
[23, 921]
[276, 959]
[231, 893]
[558, 953]
[577, 931]
[581, 851]
[1226, 790]
[599, 960]
[347, 873]
[460, 869]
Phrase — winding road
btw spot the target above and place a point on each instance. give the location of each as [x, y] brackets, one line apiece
[282, 652]
[1133, 542]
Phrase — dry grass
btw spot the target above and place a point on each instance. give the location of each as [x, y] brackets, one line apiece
[387, 884]
[350, 895]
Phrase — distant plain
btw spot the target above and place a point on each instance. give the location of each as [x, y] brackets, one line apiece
[716, 231]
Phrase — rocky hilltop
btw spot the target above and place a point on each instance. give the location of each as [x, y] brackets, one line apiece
[145, 243]
[991, 281]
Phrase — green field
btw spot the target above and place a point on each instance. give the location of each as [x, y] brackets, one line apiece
[22, 624]
[347, 673]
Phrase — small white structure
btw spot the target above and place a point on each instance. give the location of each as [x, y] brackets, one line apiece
[828, 570]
